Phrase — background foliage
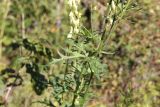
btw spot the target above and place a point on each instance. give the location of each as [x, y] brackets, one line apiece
[34, 31]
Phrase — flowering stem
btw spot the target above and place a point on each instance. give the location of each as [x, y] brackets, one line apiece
[106, 37]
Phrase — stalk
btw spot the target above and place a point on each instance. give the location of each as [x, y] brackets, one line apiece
[116, 19]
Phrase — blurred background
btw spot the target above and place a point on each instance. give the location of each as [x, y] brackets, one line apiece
[133, 72]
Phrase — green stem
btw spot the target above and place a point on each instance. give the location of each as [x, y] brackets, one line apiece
[113, 25]
[75, 94]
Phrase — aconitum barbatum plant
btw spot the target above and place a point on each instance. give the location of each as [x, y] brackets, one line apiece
[81, 58]
[83, 55]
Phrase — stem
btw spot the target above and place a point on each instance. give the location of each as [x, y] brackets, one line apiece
[73, 101]
[124, 10]
[91, 77]
[115, 21]
[104, 36]
[104, 32]
[75, 94]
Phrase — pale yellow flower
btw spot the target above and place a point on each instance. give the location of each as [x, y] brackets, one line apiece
[113, 5]
[74, 16]
[70, 33]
